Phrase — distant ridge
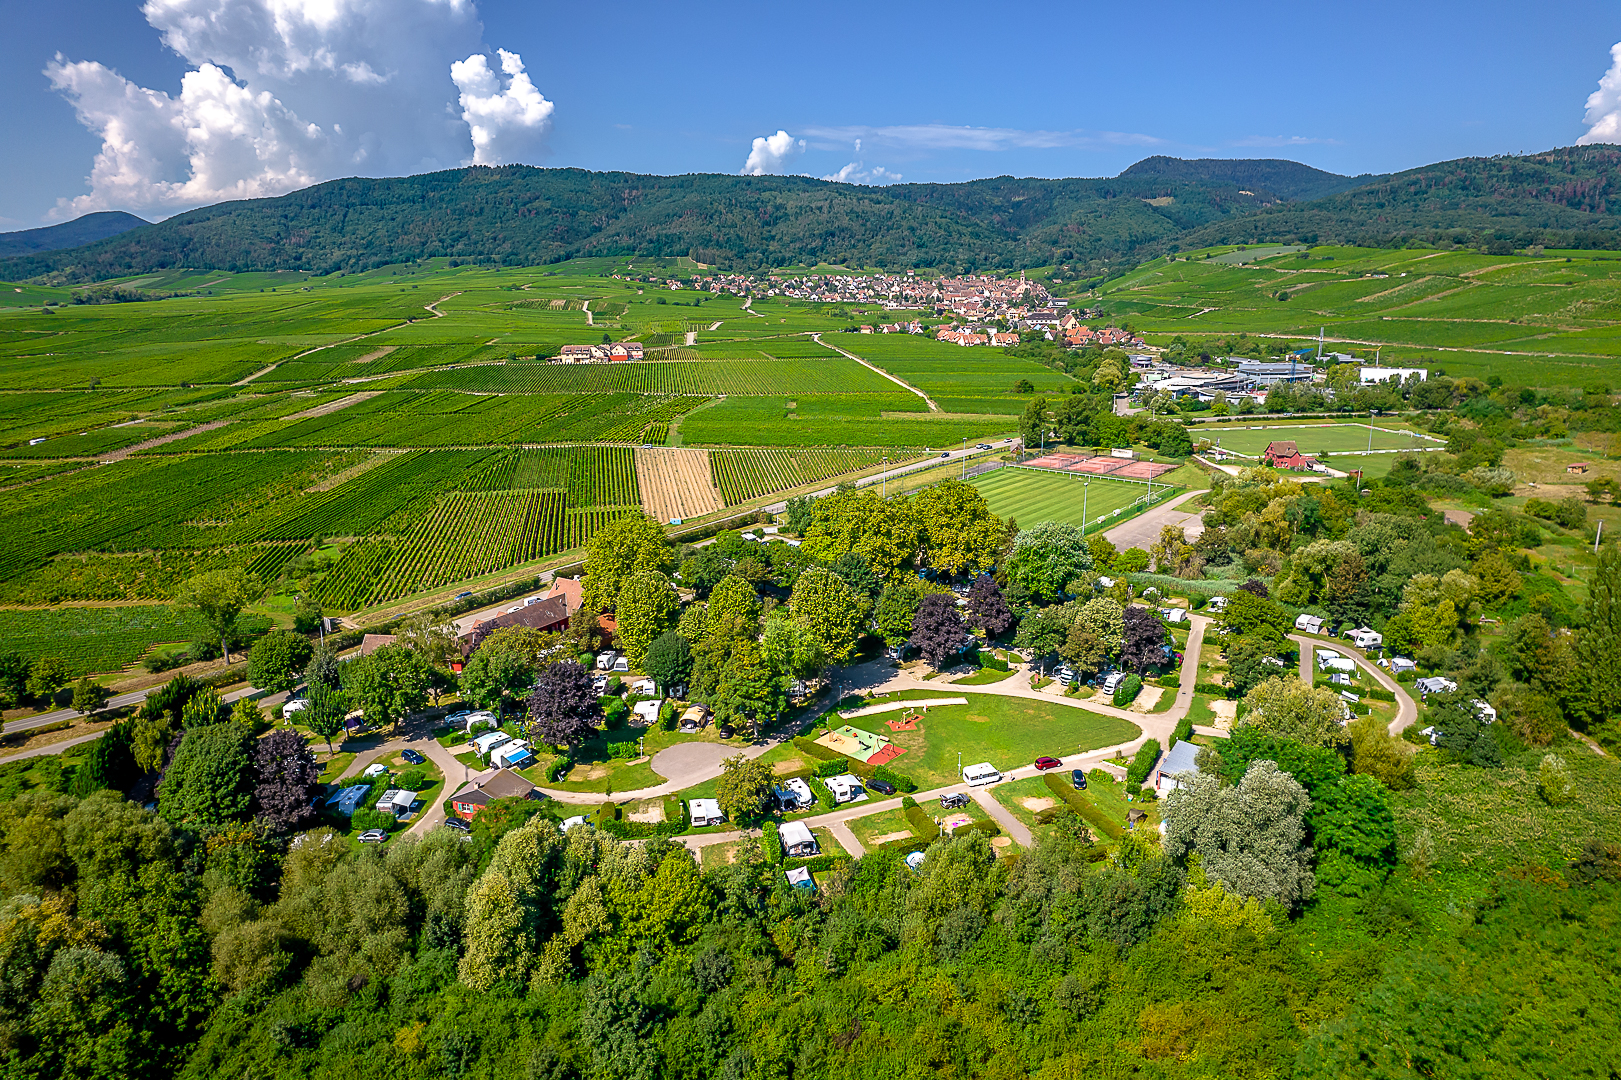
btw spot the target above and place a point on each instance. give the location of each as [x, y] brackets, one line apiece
[1091, 229]
[70, 234]
[1289, 180]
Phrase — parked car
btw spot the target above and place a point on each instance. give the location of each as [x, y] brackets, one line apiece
[1045, 763]
[295, 705]
[882, 787]
[982, 446]
[955, 800]
[373, 836]
[463, 596]
[413, 757]
[456, 824]
[1077, 777]
[725, 731]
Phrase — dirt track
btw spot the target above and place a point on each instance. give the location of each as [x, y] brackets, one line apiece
[675, 483]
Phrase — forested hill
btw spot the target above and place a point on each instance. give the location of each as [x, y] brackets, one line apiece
[518, 215]
[1562, 198]
[70, 234]
[1286, 179]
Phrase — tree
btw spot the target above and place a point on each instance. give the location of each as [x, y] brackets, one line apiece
[1144, 641]
[884, 533]
[1043, 631]
[563, 708]
[324, 714]
[790, 649]
[746, 690]
[956, 529]
[208, 785]
[704, 571]
[307, 615]
[1354, 832]
[1249, 664]
[1461, 729]
[1529, 713]
[1290, 709]
[388, 685]
[857, 574]
[275, 661]
[493, 675]
[1048, 560]
[800, 512]
[1105, 618]
[219, 597]
[431, 634]
[285, 779]
[743, 789]
[1033, 424]
[647, 607]
[669, 661]
[1250, 615]
[1084, 652]
[1598, 646]
[47, 676]
[1172, 554]
[987, 609]
[616, 551]
[938, 631]
[830, 610]
[1133, 560]
[733, 598]
[1250, 837]
[323, 669]
[896, 605]
[14, 669]
[89, 695]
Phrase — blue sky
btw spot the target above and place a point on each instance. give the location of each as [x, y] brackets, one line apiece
[279, 93]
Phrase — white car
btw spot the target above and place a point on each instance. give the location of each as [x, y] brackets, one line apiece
[574, 822]
[296, 704]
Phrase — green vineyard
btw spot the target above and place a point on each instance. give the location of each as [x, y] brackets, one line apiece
[829, 374]
[745, 474]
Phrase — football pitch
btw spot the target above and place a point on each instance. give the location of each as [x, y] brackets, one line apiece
[1314, 438]
[1030, 495]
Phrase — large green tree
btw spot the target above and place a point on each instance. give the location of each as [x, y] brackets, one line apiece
[209, 784]
[219, 597]
[832, 612]
[619, 549]
[1048, 561]
[743, 789]
[956, 529]
[388, 685]
[647, 607]
[1598, 645]
[277, 659]
[1291, 709]
[1251, 837]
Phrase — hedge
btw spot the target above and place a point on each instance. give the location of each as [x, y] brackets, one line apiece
[608, 811]
[770, 845]
[989, 828]
[676, 821]
[554, 771]
[1143, 763]
[1082, 806]
[816, 864]
[1170, 682]
[840, 763]
[1127, 691]
[922, 825]
[1378, 693]
[1184, 730]
[995, 663]
[1212, 689]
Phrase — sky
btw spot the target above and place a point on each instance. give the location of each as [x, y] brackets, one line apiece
[162, 106]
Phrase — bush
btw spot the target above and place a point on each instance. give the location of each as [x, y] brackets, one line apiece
[1183, 731]
[1142, 763]
[989, 828]
[922, 824]
[830, 768]
[414, 780]
[366, 818]
[995, 663]
[557, 769]
[901, 783]
[824, 796]
[608, 811]
[614, 712]
[770, 845]
[1170, 682]
[1082, 806]
[615, 687]
[622, 751]
[1127, 691]
[667, 716]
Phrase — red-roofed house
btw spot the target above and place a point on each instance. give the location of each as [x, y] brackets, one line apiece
[1286, 455]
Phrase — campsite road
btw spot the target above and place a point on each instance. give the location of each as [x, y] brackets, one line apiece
[1142, 530]
[1406, 708]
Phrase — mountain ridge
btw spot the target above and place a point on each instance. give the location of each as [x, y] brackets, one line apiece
[86, 229]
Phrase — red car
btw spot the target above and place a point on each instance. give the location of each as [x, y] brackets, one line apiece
[1044, 763]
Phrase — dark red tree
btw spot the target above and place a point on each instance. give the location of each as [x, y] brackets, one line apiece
[563, 707]
[1256, 587]
[987, 610]
[285, 778]
[1145, 640]
[938, 631]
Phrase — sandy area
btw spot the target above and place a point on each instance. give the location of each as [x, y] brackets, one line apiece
[889, 836]
[1037, 805]
[1148, 698]
[1226, 712]
[1001, 841]
[652, 813]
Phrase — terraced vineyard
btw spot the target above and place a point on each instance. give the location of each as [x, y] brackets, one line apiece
[746, 474]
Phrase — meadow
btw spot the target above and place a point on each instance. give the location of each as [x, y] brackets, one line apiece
[101, 638]
[1316, 438]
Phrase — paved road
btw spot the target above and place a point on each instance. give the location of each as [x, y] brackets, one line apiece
[1406, 708]
[118, 701]
[1003, 817]
[847, 839]
[1142, 530]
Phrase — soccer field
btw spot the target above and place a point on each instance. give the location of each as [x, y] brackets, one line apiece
[1030, 495]
[1312, 438]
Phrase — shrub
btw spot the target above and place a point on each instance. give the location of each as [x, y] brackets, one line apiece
[770, 845]
[992, 661]
[366, 818]
[414, 780]
[922, 824]
[1142, 763]
[622, 751]
[557, 769]
[1183, 731]
[816, 750]
[830, 768]
[614, 712]
[1170, 682]
[824, 797]
[667, 716]
[989, 828]
[1127, 691]
[1082, 806]
[1210, 689]
[608, 811]
[1553, 781]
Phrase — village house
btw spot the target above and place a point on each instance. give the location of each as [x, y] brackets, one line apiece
[1283, 454]
[616, 352]
[489, 786]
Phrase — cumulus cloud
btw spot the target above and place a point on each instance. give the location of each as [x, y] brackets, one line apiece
[508, 122]
[955, 137]
[770, 153]
[857, 173]
[1603, 117]
[285, 93]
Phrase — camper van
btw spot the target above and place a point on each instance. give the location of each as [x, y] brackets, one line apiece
[981, 774]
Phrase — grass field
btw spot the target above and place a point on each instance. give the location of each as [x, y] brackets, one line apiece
[100, 638]
[1006, 731]
[1033, 495]
[1316, 438]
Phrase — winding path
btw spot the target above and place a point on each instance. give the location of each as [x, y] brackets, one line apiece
[908, 387]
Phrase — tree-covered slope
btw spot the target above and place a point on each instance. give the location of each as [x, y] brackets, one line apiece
[70, 234]
[1288, 180]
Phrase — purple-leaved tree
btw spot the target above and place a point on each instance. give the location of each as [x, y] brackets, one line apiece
[285, 777]
[987, 610]
[938, 631]
[563, 708]
[1145, 639]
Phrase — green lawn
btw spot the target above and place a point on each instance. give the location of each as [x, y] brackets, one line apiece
[1006, 731]
[1031, 495]
[1313, 438]
[983, 677]
[334, 766]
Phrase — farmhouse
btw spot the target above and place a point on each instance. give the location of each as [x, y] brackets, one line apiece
[550, 614]
[1284, 454]
[489, 786]
[617, 352]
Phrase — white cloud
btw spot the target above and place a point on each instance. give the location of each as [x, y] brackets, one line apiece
[1283, 141]
[1603, 117]
[857, 173]
[507, 122]
[770, 154]
[285, 93]
[954, 137]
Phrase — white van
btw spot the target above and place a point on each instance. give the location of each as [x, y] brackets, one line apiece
[1112, 683]
[981, 774]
